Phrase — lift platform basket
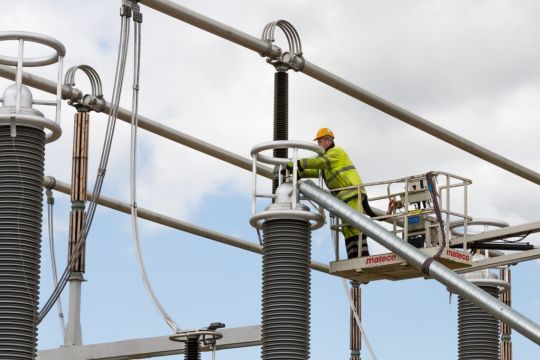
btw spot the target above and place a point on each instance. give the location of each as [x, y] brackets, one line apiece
[390, 266]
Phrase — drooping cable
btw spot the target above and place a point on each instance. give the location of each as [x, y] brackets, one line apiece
[133, 185]
[355, 313]
[434, 197]
[50, 218]
[115, 102]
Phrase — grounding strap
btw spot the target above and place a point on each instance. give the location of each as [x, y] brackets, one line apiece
[433, 192]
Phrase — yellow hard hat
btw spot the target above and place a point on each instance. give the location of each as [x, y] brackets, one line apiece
[324, 132]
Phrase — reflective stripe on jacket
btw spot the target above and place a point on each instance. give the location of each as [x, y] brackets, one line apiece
[338, 172]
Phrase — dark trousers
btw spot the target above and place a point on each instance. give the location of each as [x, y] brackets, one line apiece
[351, 243]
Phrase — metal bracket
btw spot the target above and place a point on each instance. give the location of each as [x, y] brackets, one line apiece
[291, 59]
[94, 101]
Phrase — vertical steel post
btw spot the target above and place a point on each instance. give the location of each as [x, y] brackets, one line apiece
[356, 342]
[506, 331]
[79, 176]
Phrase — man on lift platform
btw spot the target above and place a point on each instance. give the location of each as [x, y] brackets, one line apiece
[338, 172]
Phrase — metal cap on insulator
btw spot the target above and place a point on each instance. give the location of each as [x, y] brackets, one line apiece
[287, 203]
[10, 101]
[17, 98]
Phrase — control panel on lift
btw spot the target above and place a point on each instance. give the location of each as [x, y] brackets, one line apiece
[419, 212]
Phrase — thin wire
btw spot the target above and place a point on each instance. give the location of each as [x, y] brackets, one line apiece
[50, 217]
[115, 102]
[133, 185]
[523, 237]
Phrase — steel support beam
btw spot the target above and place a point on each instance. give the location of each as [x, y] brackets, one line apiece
[262, 47]
[454, 282]
[150, 347]
[502, 233]
[143, 213]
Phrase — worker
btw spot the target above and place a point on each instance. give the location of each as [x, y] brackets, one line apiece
[338, 172]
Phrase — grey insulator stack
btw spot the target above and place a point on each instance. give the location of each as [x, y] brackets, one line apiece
[286, 289]
[478, 332]
[192, 349]
[21, 176]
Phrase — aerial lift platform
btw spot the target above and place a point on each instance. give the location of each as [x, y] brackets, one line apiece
[420, 213]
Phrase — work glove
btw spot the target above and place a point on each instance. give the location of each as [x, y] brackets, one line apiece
[289, 169]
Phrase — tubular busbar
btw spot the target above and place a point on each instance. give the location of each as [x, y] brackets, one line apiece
[262, 47]
[143, 213]
[317, 73]
[414, 257]
[144, 123]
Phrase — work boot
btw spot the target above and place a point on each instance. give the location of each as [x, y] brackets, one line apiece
[351, 243]
[365, 250]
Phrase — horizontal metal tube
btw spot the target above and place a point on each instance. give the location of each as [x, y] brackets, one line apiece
[502, 260]
[233, 338]
[418, 122]
[414, 257]
[145, 123]
[328, 78]
[50, 182]
[215, 27]
[38, 82]
[517, 230]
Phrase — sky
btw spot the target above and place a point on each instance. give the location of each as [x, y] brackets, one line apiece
[468, 66]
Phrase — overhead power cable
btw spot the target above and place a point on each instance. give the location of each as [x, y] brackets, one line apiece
[133, 178]
[50, 217]
[111, 122]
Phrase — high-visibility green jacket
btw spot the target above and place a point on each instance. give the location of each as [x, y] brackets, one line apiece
[337, 169]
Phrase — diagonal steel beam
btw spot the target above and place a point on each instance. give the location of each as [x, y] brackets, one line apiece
[454, 282]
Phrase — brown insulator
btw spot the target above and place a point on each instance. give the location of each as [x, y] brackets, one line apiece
[79, 176]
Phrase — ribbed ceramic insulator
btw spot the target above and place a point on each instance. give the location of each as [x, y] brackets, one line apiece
[286, 289]
[21, 194]
[478, 332]
[192, 349]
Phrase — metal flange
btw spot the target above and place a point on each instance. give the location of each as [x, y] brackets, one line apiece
[94, 100]
[33, 120]
[291, 59]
